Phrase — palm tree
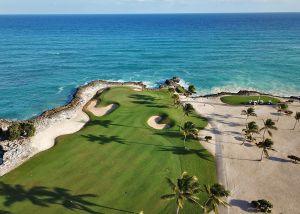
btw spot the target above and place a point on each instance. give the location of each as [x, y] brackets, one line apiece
[191, 89]
[249, 112]
[188, 109]
[265, 145]
[215, 193]
[282, 107]
[186, 188]
[176, 99]
[268, 125]
[251, 128]
[189, 129]
[297, 117]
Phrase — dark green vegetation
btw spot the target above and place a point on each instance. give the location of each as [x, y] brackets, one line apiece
[242, 100]
[17, 130]
[115, 164]
[262, 206]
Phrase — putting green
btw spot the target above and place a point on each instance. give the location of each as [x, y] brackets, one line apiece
[242, 100]
[115, 164]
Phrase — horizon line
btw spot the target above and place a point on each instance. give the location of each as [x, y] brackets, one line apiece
[154, 13]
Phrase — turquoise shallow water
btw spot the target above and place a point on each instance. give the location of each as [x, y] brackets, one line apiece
[44, 58]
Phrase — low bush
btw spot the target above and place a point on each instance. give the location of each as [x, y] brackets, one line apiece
[262, 205]
[18, 130]
[208, 138]
[13, 132]
[27, 129]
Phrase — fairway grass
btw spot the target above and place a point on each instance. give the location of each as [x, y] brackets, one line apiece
[242, 100]
[115, 164]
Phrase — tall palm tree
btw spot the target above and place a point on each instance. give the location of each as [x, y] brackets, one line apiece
[186, 188]
[269, 125]
[191, 89]
[265, 145]
[189, 129]
[297, 117]
[216, 194]
[251, 128]
[249, 112]
[188, 109]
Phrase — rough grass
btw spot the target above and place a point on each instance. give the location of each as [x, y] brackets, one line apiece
[242, 100]
[115, 164]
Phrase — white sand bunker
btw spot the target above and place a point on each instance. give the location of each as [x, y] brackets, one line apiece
[154, 123]
[100, 111]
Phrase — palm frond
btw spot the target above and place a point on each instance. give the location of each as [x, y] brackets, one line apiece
[168, 196]
[171, 184]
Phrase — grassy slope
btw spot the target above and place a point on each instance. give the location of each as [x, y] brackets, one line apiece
[240, 100]
[118, 158]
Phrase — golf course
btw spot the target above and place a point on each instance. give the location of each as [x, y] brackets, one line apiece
[116, 164]
[244, 100]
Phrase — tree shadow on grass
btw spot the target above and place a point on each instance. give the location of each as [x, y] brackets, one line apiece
[170, 134]
[44, 197]
[104, 123]
[103, 139]
[142, 97]
[178, 150]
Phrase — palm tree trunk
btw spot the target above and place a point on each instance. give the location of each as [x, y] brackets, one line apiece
[264, 134]
[177, 210]
[295, 125]
[184, 141]
[261, 157]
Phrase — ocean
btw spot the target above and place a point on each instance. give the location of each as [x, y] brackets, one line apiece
[43, 58]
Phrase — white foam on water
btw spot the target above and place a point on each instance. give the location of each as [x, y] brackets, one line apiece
[60, 89]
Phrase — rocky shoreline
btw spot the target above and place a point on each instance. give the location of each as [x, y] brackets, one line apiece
[19, 151]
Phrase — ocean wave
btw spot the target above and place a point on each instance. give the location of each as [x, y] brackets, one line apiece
[60, 89]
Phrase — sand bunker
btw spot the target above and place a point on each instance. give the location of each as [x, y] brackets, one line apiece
[100, 111]
[154, 123]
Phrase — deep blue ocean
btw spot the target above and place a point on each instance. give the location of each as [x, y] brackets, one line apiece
[44, 58]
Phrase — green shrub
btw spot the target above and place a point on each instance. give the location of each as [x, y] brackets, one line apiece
[191, 89]
[179, 89]
[13, 132]
[27, 129]
[208, 138]
[262, 205]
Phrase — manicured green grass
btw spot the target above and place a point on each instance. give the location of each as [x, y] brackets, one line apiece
[242, 100]
[115, 164]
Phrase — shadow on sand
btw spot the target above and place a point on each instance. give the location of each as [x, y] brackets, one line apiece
[243, 205]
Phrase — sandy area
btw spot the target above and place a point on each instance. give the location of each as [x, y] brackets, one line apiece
[154, 123]
[276, 179]
[45, 139]
[100, 111]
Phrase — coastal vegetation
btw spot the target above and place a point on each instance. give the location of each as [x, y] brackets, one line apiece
[265, 145]
[18, 130]
[249, 112]
[297, 118]
[244, 100]
[185, 189]
[216, 194]
[294, 158]
[116, 163]
[262, 206]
